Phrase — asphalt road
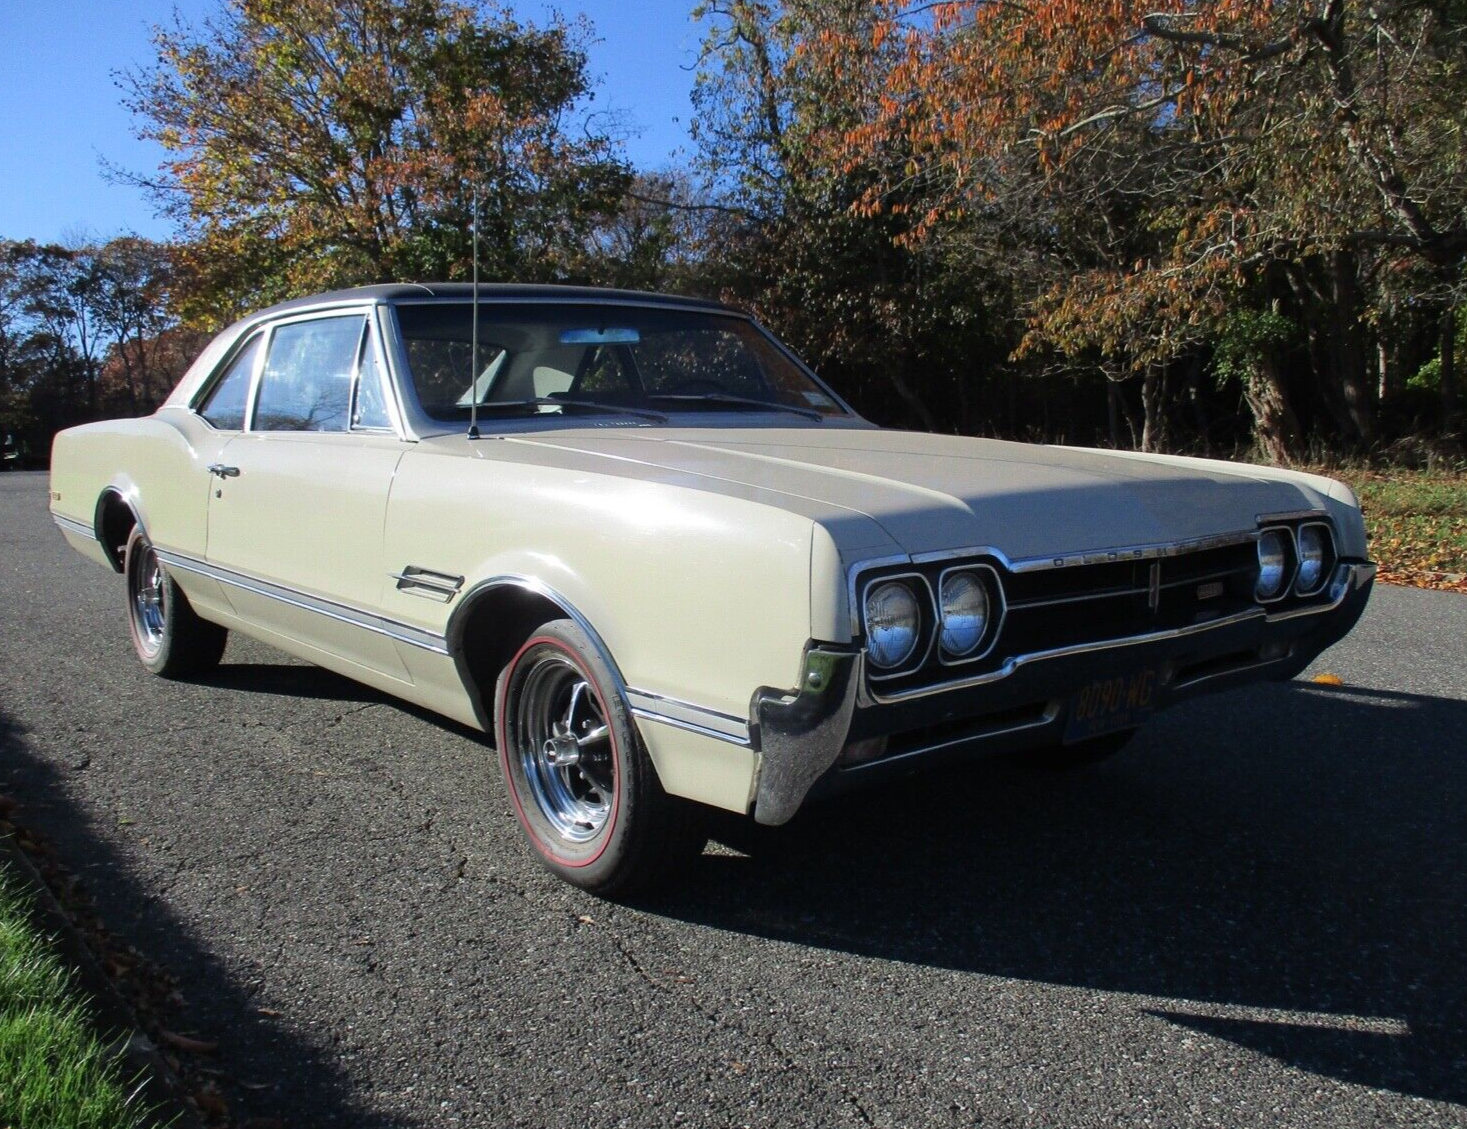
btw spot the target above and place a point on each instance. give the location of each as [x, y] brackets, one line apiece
[1257, 915]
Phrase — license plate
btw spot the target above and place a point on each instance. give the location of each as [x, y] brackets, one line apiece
[1119, 701]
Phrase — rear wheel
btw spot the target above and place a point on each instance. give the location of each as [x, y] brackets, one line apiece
[581, 782]
[169, 637]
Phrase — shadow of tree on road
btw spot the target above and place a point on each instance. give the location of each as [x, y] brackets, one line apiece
[1285, 849]
[266, 1070]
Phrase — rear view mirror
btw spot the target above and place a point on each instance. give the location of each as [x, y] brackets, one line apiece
[599, 337]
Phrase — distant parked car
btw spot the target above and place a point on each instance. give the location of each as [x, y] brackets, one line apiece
[671, 567]
[10, 453]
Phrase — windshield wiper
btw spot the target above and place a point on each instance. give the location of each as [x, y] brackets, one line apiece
[557, 402]
[738, 401]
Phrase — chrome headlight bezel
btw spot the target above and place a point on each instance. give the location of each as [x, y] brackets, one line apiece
[992, 585]
[918, 588]
[1327, 557]
[1288, 565]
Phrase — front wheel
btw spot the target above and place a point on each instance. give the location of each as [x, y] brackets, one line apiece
[580, 780]
[168, 635]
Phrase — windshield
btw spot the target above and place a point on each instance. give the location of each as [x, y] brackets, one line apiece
[557, 357]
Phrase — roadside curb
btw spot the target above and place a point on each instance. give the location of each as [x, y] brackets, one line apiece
[139, 1057]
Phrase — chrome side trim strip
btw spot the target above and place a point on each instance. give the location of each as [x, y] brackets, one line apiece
[702, 731]
[687, 715]
[71, 525]
[367, 621]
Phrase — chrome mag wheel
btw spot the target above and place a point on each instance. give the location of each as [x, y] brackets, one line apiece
[149, 615]
[564, 748]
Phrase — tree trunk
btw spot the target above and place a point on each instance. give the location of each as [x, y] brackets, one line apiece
[1346, 347]
[1275, 428]
[1152, 428]
[1199, 409]
[1449, 365]
[1113, 412]
[913, 401]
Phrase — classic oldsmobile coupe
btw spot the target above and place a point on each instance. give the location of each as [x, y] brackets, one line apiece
[636, 540]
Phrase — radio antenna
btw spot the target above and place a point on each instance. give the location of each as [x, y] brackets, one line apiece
[474, 332]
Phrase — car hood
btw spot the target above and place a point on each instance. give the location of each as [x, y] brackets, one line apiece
[931, 492]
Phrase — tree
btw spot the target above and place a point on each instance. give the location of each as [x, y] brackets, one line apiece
[319, 143]
[892, 323]
[1198, 152]
[130, 296]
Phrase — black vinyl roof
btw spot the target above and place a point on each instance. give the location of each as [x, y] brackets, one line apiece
[490, 291]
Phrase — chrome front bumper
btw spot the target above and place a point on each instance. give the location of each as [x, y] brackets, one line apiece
[801, 734]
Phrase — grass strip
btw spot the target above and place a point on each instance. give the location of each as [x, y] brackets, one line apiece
[55, 1072]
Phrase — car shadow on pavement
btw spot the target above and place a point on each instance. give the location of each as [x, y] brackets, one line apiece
[290, 680]
[1284, 867]
[262, 1068]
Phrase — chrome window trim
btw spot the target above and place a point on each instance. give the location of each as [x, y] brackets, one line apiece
[488, 299]
[417, 420]
[208, 385]
[997, 626]
[912, 663]
[382, 325]
[1324, 576]
[394, 421]
[1347, 576]
[359, 309]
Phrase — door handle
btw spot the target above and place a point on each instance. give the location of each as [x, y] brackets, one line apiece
[224, 471]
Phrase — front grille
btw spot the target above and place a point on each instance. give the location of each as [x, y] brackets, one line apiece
[1056, 606]
[1093, 603]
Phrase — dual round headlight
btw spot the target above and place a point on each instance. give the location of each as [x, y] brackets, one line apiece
[1311, 545]
[965, 608]
[893, 623]
[894, 618]
[1314, 553]
[1273, 564]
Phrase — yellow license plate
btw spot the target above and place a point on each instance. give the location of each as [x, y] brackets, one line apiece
[1119, 701]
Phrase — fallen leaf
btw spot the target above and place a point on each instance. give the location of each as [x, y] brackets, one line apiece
[184, 1043]
[1326, 679]
[211, 1103]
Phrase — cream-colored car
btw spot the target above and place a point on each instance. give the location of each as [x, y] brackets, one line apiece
[637, 541]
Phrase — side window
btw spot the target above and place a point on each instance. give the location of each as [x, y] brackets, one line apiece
[225, 406]
[371, 408]
[306, 385]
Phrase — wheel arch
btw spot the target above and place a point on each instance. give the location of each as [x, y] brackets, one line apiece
[493, 619]
[112, 521]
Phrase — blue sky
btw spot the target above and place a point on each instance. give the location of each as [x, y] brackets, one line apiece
[62, 115]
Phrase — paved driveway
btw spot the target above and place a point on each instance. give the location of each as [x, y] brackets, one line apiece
[1258, 915]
